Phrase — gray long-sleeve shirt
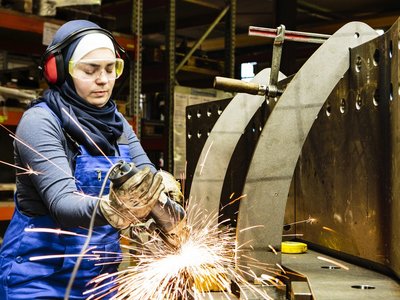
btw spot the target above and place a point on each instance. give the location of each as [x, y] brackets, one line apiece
[53, 191]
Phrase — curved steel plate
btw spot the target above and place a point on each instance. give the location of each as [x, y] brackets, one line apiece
[276, 154]
[216, 154]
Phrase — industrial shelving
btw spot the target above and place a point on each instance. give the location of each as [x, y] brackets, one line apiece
[24, 34]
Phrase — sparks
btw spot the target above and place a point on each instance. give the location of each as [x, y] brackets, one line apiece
[205, 261]
[328, 229]
[252, 227]
[85, 196]
[293, 234]
[54, 231]
[272, 249]
[85, 133]
[205, 158]
[236, 199]
[35, 258]
[28, 170]
[38, 153]
[333, 262]
[307, 221]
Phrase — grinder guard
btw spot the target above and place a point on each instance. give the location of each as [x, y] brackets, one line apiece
[168, 215]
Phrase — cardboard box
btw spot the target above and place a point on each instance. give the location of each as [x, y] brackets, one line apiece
[48, 7]
[25, 6]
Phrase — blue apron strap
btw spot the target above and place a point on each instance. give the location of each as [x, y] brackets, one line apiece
[46, 107]
[123, 150]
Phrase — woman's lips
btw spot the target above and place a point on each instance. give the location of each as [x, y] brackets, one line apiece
[100, 93]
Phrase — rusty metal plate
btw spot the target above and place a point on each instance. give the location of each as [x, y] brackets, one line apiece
[347, 173]
[278, 149]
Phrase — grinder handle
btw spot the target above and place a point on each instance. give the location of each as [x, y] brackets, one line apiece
[240, 86]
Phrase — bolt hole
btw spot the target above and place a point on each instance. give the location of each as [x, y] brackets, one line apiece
[377, 57]
[358, 102]
[253, 128]
[219, 111]
[209, 113]
[356, 35]
[391, 49]
[358, 63]
[343, 106]
[328, 109]
[198, 134]
[363, 287]
[375, 99]
[198, 114]
[189, 135]
[331, 267]
[391, 92]
[189, 115]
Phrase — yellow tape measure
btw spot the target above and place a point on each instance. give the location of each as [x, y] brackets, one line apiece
[293, 247]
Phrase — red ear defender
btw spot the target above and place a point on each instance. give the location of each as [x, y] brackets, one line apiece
[50, 70]
[53, 68]
[52, 65]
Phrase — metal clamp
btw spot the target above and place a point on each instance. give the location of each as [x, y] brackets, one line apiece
[276, 62]
[280, 34]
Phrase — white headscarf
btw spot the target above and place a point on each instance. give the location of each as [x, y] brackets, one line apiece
[91, 42]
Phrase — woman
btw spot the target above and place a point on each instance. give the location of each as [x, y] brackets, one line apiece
[76, 134]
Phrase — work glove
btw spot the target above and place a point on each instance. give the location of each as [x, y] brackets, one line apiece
[172, 187]
[132, 202]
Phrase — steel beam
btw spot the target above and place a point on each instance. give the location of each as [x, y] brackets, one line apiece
[170, 86]
[135, 83]
[202, 38]
[230, 40]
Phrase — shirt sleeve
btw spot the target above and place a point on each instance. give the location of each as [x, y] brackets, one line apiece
[49, 188]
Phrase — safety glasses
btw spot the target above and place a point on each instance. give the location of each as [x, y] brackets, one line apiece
[92, 69]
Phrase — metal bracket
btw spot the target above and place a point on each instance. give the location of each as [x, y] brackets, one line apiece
[272, 90]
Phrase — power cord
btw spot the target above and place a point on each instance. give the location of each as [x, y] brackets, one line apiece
[89, 236]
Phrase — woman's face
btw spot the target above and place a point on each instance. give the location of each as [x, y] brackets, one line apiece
[95, 85]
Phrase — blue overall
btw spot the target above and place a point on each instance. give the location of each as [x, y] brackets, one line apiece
[21, 278]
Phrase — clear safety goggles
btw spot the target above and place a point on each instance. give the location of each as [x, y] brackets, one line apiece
[91, 69]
